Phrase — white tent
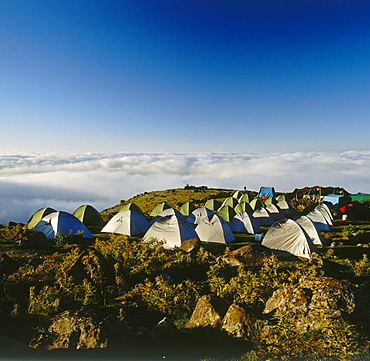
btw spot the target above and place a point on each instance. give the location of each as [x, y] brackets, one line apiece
[172, 230]
[286, 237]
[274, 212]
[263, 217]
[215, 230]
[284, 206]
[311, 230]
[127, 222]
[167, 212]
[245, 223]
[323, 208]
[62, 223]
[319, 220]
[198, 214]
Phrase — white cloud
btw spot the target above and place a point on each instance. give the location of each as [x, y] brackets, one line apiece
[65, 181]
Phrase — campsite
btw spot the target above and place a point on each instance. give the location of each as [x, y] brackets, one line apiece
[191, 273]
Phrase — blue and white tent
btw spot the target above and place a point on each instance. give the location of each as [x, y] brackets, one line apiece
[62, 223]
[127, 222]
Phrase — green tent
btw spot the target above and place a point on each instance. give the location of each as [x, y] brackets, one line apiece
[237, 194]
[256, 203]
[243, 207]
[281, 197]
[89, 216]
[187, 208]
[244, 198]
[212, 204]
[230, 201]
[270, 200]
[159, 208]
[360, 197]
[38, 215]
[227, 213]
[131, 207]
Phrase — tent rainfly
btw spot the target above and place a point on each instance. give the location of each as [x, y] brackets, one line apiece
[244, 198]
[274, 212]
[187, 208]
[38, 215]
[256, 203]
[127, 222]
[198, 214]
[230, 201]
[286, 237]
[227, 213]
[212, 204]
[89, 216]
[159, 208]
[131, 207]
[284, 207]
[243, 207]
[244, 223]
[171, 230]
[266, 192]
[167, 212]
[263, 217]
[214, 230]
[62, 223]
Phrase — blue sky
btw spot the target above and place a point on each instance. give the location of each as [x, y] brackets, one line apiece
[184, 76]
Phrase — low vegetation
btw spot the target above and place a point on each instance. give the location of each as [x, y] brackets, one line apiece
[141, 283]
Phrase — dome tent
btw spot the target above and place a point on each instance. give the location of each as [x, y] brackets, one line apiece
[62, 223]
[263, 217]
[159, 208]
[212, 204]
[187, 208]
[274, 212]
[256, 203]
[166, 212]
[286, 237]
[214, 230]
[89, 216]
[171, 230]
[309, 227]
[198, 214]
[243, 207]
[132, 207]
[244, 198]
[244, 223]
[38, 215]
[226, 212]
[319, 220]
[127, 222]
[284, 207]
[230, 201]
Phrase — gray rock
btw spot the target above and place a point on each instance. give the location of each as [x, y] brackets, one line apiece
[238, 322]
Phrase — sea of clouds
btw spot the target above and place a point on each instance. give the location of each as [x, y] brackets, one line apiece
[29, 182]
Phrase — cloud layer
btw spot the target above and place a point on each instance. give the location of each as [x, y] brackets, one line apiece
[65, 181]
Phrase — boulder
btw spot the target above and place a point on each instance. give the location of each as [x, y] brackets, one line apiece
[209, 311]
[8, 265]
[250, 255]
[164, 329]
[307, 305]
[89, 261]
[238, 322]
[190, 245]
[80, 330]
